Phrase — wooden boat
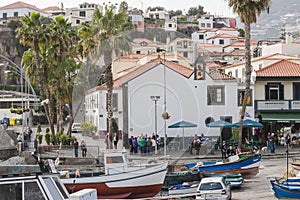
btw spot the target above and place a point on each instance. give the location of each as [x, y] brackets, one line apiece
[235, 180]
[180, 177]
[288, 189]
[184, 188]
[248, 166]
[122, 179]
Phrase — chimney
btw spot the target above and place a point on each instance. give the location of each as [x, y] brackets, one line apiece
[288, 38]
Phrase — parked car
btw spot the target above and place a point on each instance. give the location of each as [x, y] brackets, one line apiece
[76, 128]
[214, 188]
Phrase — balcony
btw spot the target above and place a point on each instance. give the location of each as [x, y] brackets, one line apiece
[277, 105]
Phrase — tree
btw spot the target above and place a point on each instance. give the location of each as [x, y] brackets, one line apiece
[123, 7]
[110, 25]
[173, 13]
[196, 11]
[33, 33]
[248, 11]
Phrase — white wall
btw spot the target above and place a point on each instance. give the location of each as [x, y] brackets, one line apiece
[186, 100]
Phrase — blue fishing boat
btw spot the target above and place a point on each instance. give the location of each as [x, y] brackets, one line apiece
[290, 188]
[286, 187]
[248, 167]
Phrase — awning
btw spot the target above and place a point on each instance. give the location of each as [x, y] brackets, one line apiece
[281, 117]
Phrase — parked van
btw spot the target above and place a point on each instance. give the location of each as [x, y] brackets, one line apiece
[76, 128]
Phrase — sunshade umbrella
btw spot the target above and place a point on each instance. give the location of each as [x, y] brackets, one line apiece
[183, 124]
[249, 123]
[219, 123]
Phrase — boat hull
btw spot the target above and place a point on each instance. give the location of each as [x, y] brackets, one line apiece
[291, 191]
[248, 167]
[142, 183]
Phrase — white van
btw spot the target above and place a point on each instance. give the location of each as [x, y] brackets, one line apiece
[76, 128]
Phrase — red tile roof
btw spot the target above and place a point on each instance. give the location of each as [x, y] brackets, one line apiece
[222, 36]
[275, 56]
[136, 71]
[20, 4]
[282, 68]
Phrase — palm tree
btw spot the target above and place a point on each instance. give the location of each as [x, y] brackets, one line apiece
[33, 34]
[248, 11]
[63, 39]
[108, 27]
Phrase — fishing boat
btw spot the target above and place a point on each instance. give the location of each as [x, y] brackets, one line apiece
[286, 187]
[122, 179]
[180, 177]
[248, 166]
[184, 188]
[235, 180]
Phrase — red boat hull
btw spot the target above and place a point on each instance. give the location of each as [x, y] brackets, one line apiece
[104, 192]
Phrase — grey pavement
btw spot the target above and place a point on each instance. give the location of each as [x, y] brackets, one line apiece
[96, 146]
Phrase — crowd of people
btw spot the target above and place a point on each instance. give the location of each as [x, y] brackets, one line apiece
[145, 145]
[196, 143]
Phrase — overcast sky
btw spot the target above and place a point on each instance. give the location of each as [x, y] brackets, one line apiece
[216, 7]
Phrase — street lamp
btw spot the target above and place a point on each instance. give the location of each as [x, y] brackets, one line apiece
[155, 99]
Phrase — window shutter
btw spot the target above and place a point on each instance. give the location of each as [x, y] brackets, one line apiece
[281, 92]
[267, 95]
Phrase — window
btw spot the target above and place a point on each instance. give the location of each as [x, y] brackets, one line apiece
[274, 91]
[114, 102]
[202, 25]
[215, 95]
[221, 41]
[201, 37]
[296, 89]
[16, 14]
[208, 25]
[82, 13]
[4, 15]
[170, 25]
[185, 54]
[241, 95]
[77, 21]
[236, 73]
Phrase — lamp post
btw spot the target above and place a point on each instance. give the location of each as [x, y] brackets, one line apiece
[155, 99]
[165, 114]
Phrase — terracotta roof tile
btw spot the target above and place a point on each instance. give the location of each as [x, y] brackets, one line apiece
[20, 4]
[217, 75]
[222, 36]
[282, 68]
[275, 56]
[137, 71]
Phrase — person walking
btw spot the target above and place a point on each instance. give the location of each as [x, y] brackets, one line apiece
[272, 142]
[116, 139]
[224, 150]
[83, 148]
[75, 145]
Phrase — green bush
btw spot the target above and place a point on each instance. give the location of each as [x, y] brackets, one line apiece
[39, 129]
[87, 127]
[64, 139]
[48, 138]
[47, 130]
[40, 139]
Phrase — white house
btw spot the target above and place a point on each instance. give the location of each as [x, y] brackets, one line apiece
[181, 93]
[222, 39]
[17, 9]
[184, 47]
[83, 13]
[277, 96]
[238, 70]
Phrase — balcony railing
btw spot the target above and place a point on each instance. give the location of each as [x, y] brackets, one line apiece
[277, 105]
